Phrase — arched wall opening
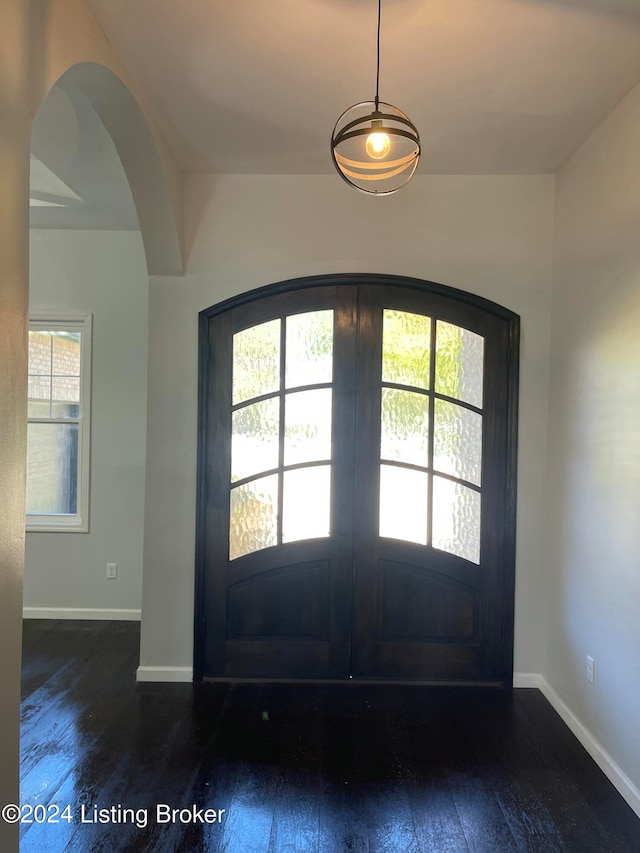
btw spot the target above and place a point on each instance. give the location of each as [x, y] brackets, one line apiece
[101, 223]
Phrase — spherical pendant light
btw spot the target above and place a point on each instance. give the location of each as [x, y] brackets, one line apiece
[375, 146]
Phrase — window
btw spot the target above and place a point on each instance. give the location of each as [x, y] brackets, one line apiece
[58, 425]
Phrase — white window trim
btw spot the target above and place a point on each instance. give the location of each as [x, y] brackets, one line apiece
[78, 523]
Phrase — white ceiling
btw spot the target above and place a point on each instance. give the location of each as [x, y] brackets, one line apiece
[494, 86]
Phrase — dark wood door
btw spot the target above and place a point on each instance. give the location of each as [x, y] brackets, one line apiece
[356, 511]
[431, 553]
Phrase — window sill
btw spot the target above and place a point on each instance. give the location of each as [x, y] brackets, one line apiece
[57, 528]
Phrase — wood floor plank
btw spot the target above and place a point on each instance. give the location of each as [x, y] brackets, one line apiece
[293, 768]
[483, 821]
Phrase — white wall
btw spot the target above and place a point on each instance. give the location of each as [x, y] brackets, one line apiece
[593, 599]
[487, 235]
[103, 273]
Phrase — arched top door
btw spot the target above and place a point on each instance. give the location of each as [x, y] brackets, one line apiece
[357, 460]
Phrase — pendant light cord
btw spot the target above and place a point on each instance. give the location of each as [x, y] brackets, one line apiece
[378, 57]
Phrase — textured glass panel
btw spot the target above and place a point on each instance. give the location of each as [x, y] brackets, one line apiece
[309, 348]
[66, 353]
[403, 504]
[456, 519]
[256, 361]
[52, 466]
[254, 438]
[405, 426]
[457, 446]
[307, 426]
[405, 348]
[254, 516]
[306, 502]
[459, 363]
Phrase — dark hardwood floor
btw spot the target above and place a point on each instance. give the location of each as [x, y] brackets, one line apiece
[297, 768]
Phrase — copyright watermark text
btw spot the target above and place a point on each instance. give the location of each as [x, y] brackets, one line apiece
[160, 813]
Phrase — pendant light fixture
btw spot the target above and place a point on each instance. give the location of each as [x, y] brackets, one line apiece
[374, 146]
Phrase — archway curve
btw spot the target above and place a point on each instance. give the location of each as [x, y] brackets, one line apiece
[125, 123]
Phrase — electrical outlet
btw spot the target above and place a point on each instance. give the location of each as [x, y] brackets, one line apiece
[591, 670]
[112, 571]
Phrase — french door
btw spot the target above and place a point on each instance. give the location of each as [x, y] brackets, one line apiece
[356, 507]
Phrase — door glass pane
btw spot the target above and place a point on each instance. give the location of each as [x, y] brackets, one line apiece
[52, 469]
[405, 348]
[254, 516]
[307, 426]
[457, 441]
[309, 348]
[306, 503]
[256, 361]
[456, 519]
[255, 432]
[403, 504]
[405, 426]
[459, 363]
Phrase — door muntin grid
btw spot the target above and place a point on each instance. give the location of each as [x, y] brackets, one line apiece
[432, 377]
[281, 443]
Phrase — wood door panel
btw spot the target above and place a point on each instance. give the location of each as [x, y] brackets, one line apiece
[427, 662]
[287, 658]
[418, 605]
[288, 602]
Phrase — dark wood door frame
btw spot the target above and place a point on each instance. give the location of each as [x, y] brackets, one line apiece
[432, 289]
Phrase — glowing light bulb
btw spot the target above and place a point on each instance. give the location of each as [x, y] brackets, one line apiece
[377, 145]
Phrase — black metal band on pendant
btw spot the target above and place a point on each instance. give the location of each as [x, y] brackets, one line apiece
[367, 131]
[376, 115]
[373, 191]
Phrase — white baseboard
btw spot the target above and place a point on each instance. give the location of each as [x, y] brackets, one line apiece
[165, 673]
[605, 762]
[80, 613]
[526, 679]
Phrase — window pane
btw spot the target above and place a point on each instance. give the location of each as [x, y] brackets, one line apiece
[405, 348]
[456, 519]
[52, 469]
[307, 430]
[40, 352]
[405, 426]
[66, 353]
[39, 391]
[66, 397]
[309, 348]
[256, 361]
[403, 504]
[306, 503]
[457, 441]
[459, 363]
[254, 516]
[254, 438]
